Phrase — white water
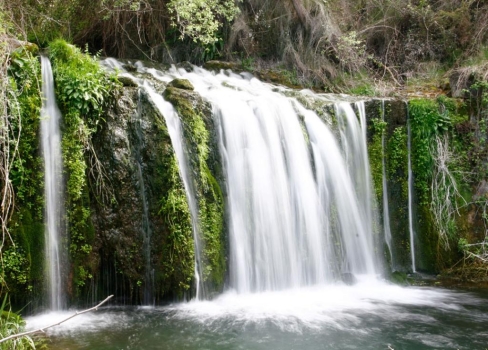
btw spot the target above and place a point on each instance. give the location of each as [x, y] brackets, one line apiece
[386, 208]
[176, 134]
[291, 224]
[175, 131]
[53, 180]
[410, 200]
[294, 310]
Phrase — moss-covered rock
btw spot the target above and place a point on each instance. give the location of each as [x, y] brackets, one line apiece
[200, 135]
[181, 84]
[221, 65]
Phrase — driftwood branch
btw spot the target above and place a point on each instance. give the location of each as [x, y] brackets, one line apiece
[13, 336]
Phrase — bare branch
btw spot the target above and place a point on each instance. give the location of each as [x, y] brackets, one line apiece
[95, 308]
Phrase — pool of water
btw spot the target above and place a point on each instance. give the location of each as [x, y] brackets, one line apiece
[365, 316]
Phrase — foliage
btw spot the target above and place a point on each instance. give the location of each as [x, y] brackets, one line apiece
[351, 51]
[11, 323]
[375, 153]
[15, 266]
[201, 19]
[23, 166]
[397, 156]
[317, 38]
[83, 90]
[438, 170]
[426, 122]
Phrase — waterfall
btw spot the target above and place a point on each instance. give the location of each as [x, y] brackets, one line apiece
[298, 187]
[410, 198]
[299, 198]
[53, 188]
[386, 209]
[173, 124]
[175, 132]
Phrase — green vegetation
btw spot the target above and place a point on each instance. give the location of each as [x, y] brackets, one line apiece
[11, 323]
[397, 159]
[194, 114]
[201, 19]
[178, 252]
[83, 90]
[22, 249]
[427, 123]
[375, 153]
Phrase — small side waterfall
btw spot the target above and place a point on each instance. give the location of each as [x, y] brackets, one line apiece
[410, 199]
[53, 188]
[176, 134]
[175, 131]
[386, 209]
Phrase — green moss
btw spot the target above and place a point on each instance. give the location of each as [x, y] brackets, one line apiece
[83, 90]
[178, 250]
[195, 116]
[397, 159]
[375, 152]
[181, 84]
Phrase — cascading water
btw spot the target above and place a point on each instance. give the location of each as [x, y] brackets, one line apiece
[53, 180]
[386, 208]
[175, 131]
[173, 124]
[296, 218]
[299, 198]
[410, 199]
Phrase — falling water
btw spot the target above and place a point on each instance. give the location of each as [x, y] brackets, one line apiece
[298, 199]
[146, 229]
[410, 199]
[386, 209]
[173, 124]
[175, 132]
[53, 166]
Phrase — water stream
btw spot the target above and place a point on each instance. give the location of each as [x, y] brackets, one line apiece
[176, 134]
[410, 199]
[53, 189]
[386, 209]
[291, 224]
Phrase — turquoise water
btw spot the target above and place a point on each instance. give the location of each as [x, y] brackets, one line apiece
[361, 317]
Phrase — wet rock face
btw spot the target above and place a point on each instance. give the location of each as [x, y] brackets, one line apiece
[118, 222]
[129, 147]
[144, 237]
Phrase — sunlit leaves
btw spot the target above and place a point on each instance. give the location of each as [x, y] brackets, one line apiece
[201, 19]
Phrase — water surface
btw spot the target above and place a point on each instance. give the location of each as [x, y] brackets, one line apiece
[370, 315]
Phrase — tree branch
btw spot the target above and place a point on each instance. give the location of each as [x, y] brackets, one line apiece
[13, 336]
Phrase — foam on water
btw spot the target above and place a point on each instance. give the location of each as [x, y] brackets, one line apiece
[337, 307]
